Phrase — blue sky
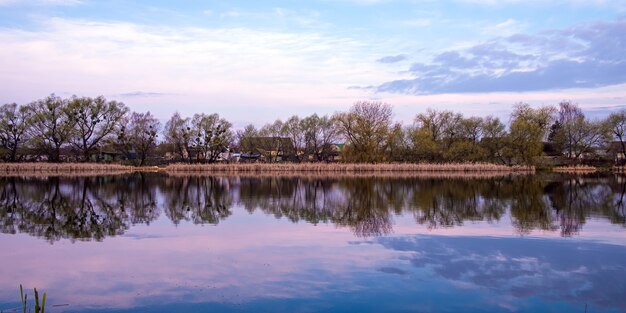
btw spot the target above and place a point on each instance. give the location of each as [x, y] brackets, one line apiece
[254, 61]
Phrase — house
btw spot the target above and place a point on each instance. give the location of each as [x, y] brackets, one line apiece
[270, 149]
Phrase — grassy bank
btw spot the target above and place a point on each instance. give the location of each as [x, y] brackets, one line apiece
[334, 175]
[61, 169]
[575, 169]
[346, 168]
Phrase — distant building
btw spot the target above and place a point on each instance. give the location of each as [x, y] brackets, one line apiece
[270, 149]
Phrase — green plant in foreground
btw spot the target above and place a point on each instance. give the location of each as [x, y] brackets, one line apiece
[38, 308]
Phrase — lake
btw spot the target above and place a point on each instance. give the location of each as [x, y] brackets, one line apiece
[157, 243]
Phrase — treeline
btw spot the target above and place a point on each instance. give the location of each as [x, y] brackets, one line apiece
[75, 129]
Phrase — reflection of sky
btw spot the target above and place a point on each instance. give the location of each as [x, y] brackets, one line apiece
[511, 271]
[255, 262]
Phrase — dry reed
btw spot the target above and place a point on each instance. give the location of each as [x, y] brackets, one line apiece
[347, 168]
[62, 169]
[339, 175]
[575, 169]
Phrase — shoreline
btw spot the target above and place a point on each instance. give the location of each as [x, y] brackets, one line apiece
[348, 168]
[295, 169]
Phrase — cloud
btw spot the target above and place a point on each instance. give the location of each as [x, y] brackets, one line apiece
[392, 58]
[232, 66]
[142, 94]
[41, 2]
[588, 56]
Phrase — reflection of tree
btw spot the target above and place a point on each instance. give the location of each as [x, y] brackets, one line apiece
[574, 200]
[577, 198]
[73, 208]
[618, 213]
[56, 208]
[368, 205]
[362, 204]
[529, 207]
[135, 193]
[97, 207]
[198, 199]
[448, 203]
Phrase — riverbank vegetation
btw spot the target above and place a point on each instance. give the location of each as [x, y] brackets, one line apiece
[575, 169]
[63, 168]
[83, 129]
[345, 168]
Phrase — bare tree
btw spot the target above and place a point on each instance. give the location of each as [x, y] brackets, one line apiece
[52, 125]
[14, 125]
[575, 134]
[244, 138]
[94, 120]
[211, 135]
[320, 133]
[292, 128]
[137, 136]
[617, 126]
[366, 127]
[177, 132]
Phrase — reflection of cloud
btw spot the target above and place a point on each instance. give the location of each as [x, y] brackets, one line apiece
[580, 57]
[551, 269]
[245, 262]
[392, 270]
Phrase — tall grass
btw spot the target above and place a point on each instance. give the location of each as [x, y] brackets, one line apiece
[12, 169]
[347, 168]
[575, 169]
[334, 175]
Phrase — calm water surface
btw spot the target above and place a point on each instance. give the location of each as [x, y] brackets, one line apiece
[157, 243]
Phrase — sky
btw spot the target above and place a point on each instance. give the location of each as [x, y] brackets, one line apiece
[256, 61]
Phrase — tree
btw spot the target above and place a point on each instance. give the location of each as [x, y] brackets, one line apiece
[137, 136]
[397, 144]
[440, 124]
[15, 122]
[292, 128]
[211, 135]
[423, 147]
[320, 134]
[527, 130]
[52, 125]
[540, 117]
[244, 138]
[464, 145]
[366, 127]
[272, 145]
[442, 128]
[574, 133]
[272, 130]
[616, 123]
[94, 120]
[177, 132]
[494, 140]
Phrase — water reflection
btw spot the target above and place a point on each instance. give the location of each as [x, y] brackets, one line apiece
[93, 208]
[515, 268]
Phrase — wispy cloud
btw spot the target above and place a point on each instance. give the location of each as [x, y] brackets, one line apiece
[142, 94]
[41, 2]
[587, 56]
[226, 65]
[392, 58]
